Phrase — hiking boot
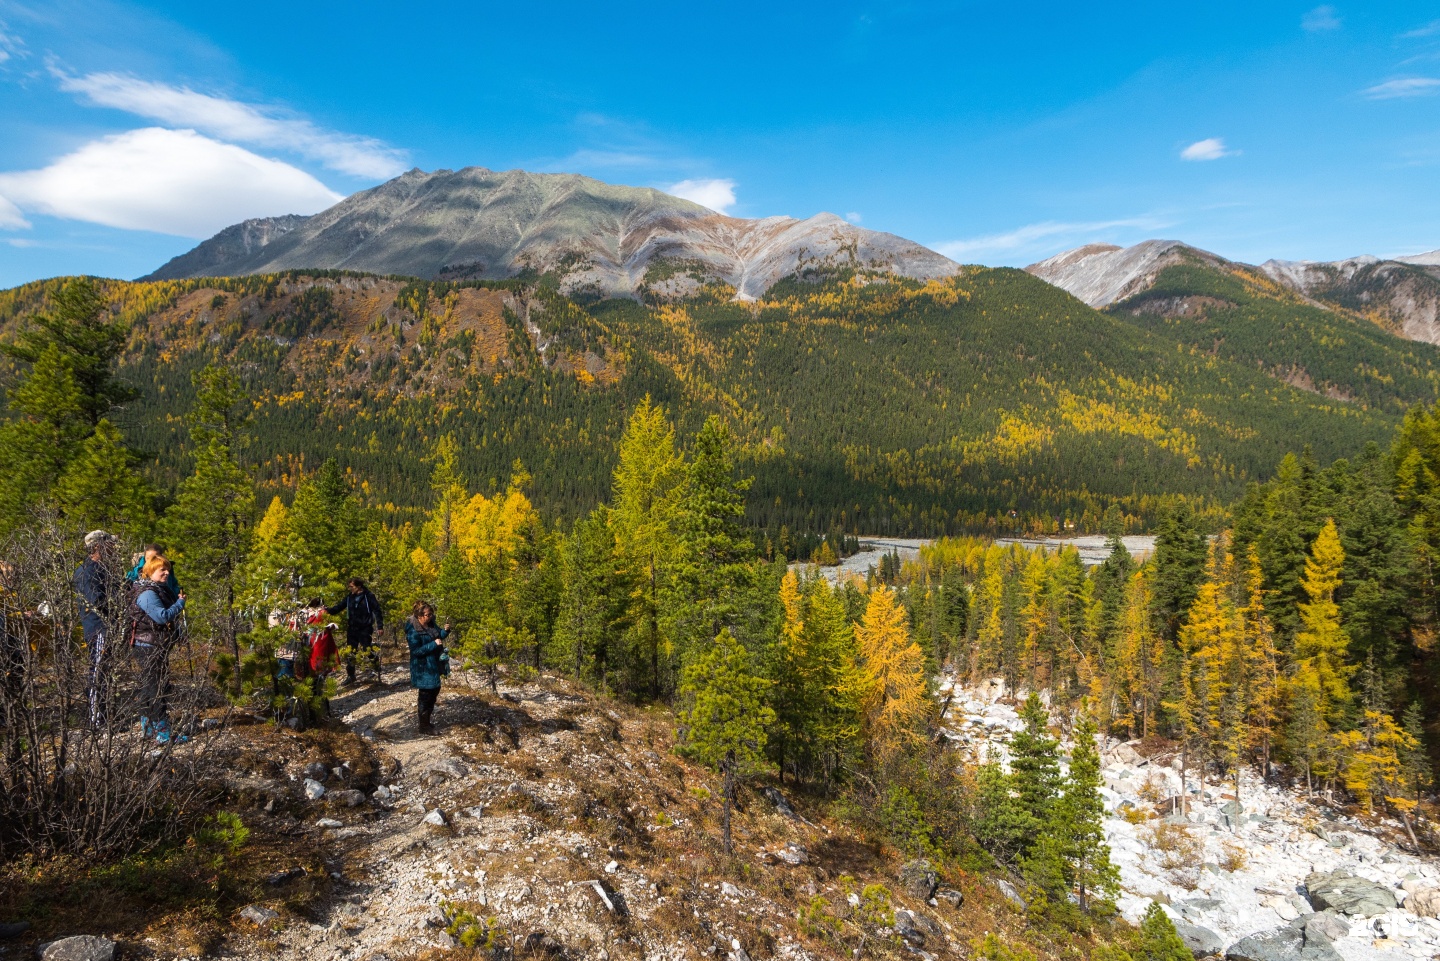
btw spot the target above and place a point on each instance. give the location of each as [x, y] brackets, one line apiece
[424, 726]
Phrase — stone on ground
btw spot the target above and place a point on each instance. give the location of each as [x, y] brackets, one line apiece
[1282, 944]
[919, 879]
[82, 947]
[1344, 893]
[1201, 941]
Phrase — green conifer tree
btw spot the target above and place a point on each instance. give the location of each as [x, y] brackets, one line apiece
[1080, 819]
[1157, 940]
[725, 722]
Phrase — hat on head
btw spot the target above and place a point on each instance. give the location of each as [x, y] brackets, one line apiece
[98, 537]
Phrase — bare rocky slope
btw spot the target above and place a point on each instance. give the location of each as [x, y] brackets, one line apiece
[478, 223]
[1401, 295]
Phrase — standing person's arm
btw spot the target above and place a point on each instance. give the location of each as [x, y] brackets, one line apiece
[157, 612]
[338, 606]
[88, 586]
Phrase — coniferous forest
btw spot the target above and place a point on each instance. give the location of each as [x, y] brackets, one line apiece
[613, 491]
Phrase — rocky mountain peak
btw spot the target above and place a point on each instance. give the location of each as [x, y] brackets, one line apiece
[602, 238]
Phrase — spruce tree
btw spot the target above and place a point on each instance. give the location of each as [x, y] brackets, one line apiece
[209, 526]
[1080, 819]
[594, 604]
[725, 722]
[1035, 761]
[1157, 940]
[1177, 567]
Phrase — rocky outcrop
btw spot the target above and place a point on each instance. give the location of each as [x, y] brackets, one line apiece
[601, 238]
[1202, 942]
[1344, 893]
[1283, 944]
[1103, 274]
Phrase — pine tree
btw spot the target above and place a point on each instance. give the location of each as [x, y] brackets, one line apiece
[1080, 819]
[594, 603]
[1035, 761]
[1138, 666]
[1157, 940]
[712, 561]
[80, 329]
[1321, 644]
[1306, 732]
[896, 697]
[1262, 664]
[648, 485]
[724, 726]
[41, 437]
[210, 524]
[1002, 823]
[99, 486]
[1178, 567]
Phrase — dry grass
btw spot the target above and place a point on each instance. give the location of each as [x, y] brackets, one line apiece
[1233, 857]
[1174, 844]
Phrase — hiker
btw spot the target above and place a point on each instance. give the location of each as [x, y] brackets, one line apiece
[151, 552]
[364, 616]
[95, 592]
[428, 660]
[150, 623]
[324, 655]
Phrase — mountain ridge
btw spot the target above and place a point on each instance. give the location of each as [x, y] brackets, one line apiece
[1401, 294]
[598, 238]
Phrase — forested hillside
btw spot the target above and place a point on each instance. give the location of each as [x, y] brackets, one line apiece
[862, 402]
[1242, 315]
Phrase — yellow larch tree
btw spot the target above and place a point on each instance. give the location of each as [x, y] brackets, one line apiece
[1321, 644]
[893, 666]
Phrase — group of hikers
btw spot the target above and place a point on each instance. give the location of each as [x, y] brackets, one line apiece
[148, 610]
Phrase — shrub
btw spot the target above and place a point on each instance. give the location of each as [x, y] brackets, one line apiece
[1233, 858]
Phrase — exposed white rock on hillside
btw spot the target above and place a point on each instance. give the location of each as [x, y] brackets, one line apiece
[486, 224]
[1403, 295]
[1235, 868]
[1101, 274]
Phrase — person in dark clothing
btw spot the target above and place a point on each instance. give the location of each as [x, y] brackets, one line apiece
[363, 618]
[429, 661]
[95, 592]
[150, 620]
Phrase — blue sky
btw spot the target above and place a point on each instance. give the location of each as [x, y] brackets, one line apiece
[995, 133]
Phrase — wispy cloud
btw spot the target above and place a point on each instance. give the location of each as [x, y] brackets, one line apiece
[168, 181]
[1211, 148]
[252, 124]
[1404, 87]
[1032, 236]
[1429, 30]
[10, 45]
[717, 194]
[853, 217]
[1319, 19]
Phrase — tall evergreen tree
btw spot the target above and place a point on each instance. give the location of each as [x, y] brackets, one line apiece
[1081, 819]
[210, 524]
[1177, 567]
[724, 724]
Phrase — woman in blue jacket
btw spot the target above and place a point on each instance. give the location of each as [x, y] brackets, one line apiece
[428, 660]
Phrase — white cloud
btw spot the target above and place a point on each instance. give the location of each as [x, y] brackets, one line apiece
[1030, 236]
[10, 216]
[1429, 30]
[718, 195]
[1404, 87]
[853, 217]
[1211, 148]
[232, 120]
[1320, 18]
[168, 181]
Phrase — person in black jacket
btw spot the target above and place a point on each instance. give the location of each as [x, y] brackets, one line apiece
[363, 617]
[95, 591]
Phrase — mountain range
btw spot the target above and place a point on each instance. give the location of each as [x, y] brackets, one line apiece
[871, 384]
[600, 239]
[1401, 295]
